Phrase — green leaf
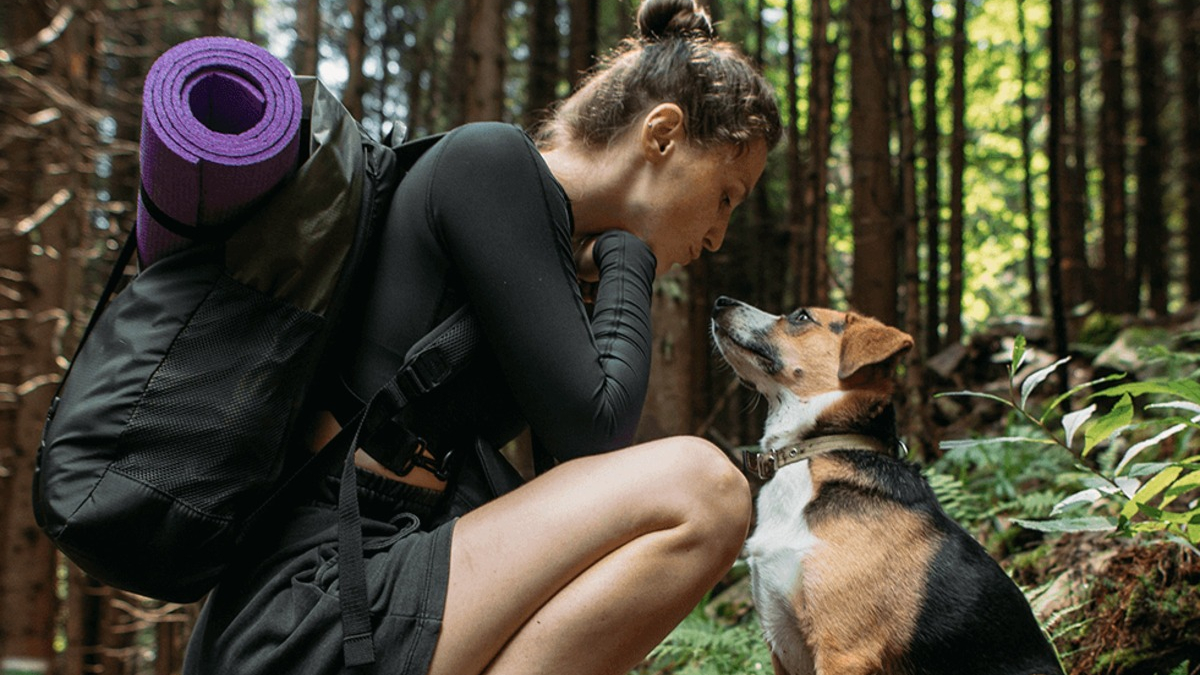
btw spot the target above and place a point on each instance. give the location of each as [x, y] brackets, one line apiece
[1108, 424]
[1186, 389]
[1018, 356]
[974, 442]
[1037, 378]
[1085, 524]
[1157, 484]
[1073, 391]
[976, 394]
[1071, 421]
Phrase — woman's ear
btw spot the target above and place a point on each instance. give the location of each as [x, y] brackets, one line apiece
[662, 132]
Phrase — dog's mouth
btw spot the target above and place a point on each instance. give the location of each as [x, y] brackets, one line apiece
[741, 350]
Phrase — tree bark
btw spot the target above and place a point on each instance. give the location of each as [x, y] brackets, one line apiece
[1031, 230]
[931, 152]
[1151, 158]
[1077, 276]
[1055, 149]
[1116, 296]
[356, 48]
[820, 135]
[875, 257]
[958, 161]
[584, 38]
[479, 45]
[543, 60]
[1189, 70]
[796, 290]
[305, 52]
[210, 17]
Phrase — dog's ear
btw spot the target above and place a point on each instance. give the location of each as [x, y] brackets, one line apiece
[867, 342]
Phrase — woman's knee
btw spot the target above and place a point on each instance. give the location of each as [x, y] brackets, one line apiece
[712, 495]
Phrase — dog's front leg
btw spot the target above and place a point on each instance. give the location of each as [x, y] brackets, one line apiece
[775, 663]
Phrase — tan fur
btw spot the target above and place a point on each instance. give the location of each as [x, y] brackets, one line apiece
[852, 627]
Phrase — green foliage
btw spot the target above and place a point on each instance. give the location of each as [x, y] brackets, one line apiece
[703, 645]
[1112, 492]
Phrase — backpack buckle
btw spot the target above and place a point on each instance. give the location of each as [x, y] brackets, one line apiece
[428, 370]
[424, 458]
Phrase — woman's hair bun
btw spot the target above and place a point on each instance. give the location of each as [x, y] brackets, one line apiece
[662, 19]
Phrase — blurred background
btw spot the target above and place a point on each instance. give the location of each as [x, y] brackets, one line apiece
[1009, 177]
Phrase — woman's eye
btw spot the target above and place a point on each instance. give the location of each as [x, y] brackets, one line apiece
[725, 201]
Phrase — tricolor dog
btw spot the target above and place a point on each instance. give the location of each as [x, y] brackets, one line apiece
[855, 567]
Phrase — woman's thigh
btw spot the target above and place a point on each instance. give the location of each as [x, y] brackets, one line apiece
[513, 555]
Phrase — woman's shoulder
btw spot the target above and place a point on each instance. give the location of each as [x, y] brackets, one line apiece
[489, 140]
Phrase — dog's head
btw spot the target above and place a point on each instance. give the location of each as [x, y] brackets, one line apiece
[807, 361]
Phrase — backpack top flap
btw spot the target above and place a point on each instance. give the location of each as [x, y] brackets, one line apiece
[304, 226]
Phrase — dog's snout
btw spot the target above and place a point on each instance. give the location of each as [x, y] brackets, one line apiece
[723, 302]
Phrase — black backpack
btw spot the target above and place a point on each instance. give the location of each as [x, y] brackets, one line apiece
[180, 421]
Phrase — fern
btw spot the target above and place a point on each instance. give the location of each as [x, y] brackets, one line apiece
[701, 645]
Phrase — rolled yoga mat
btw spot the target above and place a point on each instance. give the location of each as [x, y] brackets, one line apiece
[220, 129]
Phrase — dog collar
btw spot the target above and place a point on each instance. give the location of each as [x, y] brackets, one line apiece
[764, 464]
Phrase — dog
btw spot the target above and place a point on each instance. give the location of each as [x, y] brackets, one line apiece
[855, 568]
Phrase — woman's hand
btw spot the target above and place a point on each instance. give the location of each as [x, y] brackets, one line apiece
[585, 261]
[586, 270]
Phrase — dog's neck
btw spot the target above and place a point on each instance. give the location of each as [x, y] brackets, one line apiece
[791, 420]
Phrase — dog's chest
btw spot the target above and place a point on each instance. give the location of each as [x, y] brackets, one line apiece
[776, 552]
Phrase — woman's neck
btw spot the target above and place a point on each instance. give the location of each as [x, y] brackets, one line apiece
[596, 181]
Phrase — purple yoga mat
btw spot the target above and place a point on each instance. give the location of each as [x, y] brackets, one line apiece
[220, 128]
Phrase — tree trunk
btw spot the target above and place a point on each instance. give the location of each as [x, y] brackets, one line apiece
[41, 214]
[820, 135]
[210, 17]
[1031, 230]
[1189, 69]
[768, 294]
[305, 52]
[543, 59]
[914, 427]
[931, 133]
[356, 48]
[958, 161]
[1151, 158]
[1077, 276]
[479, 45]
[795, 290]
[584, 38]
[907, 204]
[1055, 149]
[1116, 296]
[875, 257]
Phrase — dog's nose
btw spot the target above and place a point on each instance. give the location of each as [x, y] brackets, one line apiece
[724, 301]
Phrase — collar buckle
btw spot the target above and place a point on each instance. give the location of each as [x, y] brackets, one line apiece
[761, 465]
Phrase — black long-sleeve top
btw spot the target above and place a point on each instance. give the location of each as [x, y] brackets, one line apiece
[481, 220]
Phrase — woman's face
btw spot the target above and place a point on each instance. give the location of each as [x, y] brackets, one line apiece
[692, 196]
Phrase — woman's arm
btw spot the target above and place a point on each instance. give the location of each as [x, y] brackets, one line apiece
[505, 225]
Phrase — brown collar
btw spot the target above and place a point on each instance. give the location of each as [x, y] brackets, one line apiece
[763, 464]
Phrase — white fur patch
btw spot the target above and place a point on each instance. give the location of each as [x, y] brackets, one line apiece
[776, 553]
[790, 418]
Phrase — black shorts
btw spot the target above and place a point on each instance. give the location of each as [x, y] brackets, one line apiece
[282, 615]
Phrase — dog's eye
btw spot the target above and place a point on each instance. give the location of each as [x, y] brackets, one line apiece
[799, 316]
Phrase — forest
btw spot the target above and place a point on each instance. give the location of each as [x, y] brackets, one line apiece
[1015, 183]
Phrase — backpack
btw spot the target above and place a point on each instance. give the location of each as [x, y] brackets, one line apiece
[180, 422]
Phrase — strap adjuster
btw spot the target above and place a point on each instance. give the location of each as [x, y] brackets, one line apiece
[425, 373]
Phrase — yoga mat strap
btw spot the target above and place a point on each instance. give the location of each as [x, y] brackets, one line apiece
[206, 233]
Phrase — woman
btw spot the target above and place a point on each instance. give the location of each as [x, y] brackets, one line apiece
[590, 564]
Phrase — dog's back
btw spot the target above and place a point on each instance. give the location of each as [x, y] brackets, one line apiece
[951, 609]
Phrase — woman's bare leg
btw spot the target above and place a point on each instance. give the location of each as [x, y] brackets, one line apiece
[588, 567]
